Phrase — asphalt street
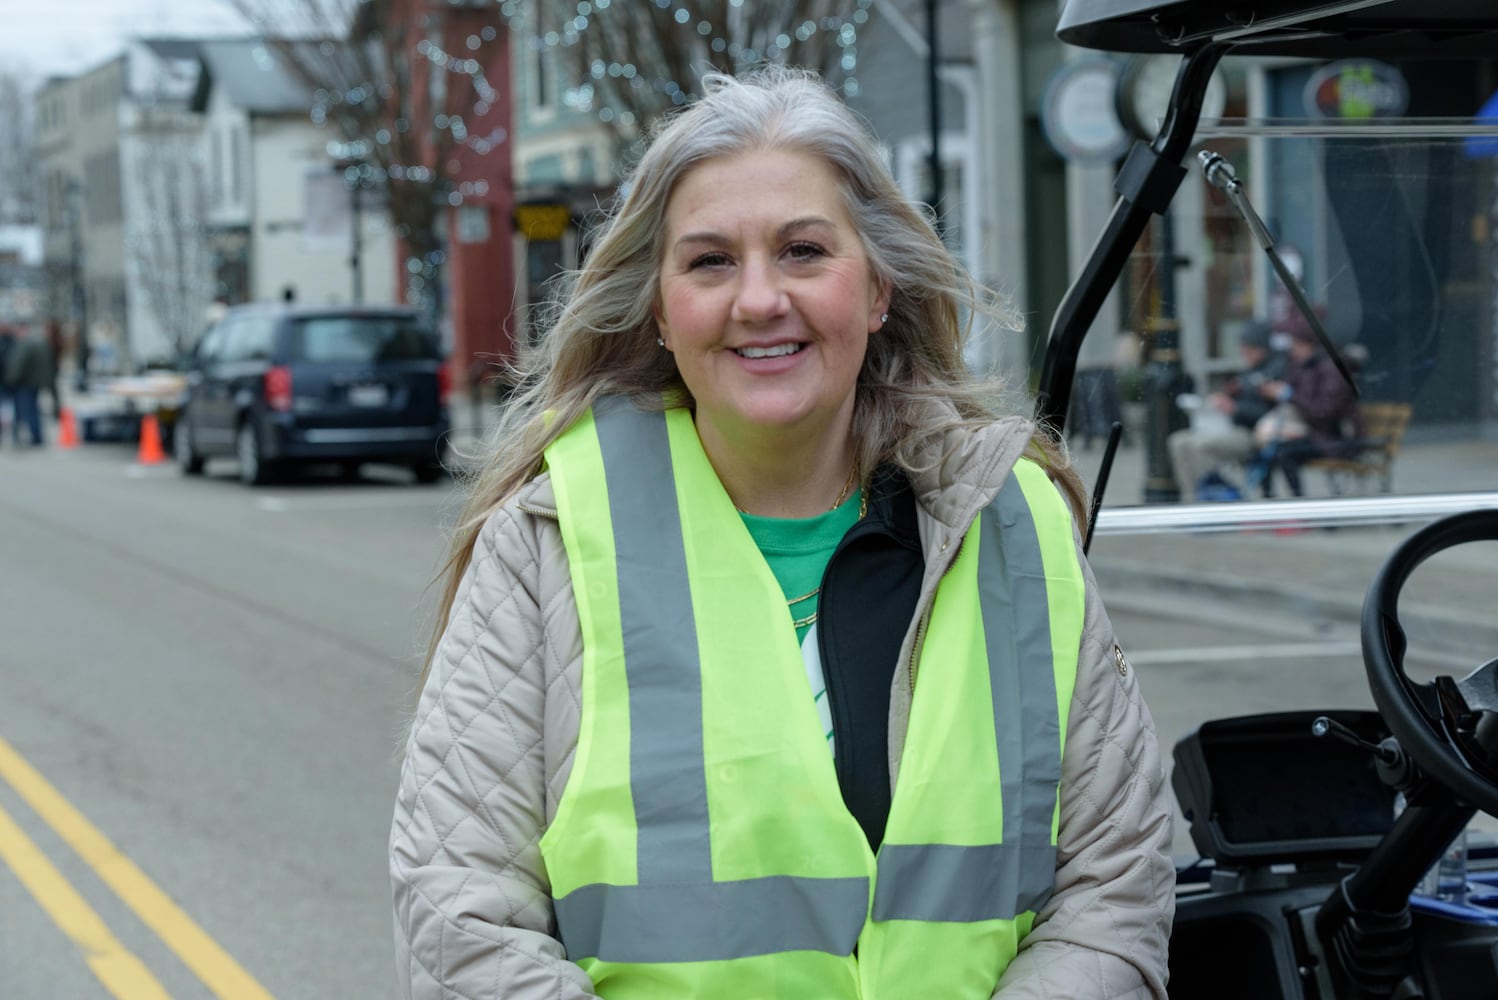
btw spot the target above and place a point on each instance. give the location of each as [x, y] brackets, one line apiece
[214, 680]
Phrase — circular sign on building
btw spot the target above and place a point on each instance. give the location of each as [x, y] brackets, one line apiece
[1145, 87]
[1078, 112]
[1357, 89]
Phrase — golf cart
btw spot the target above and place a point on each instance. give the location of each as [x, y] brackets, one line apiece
[1316, 828]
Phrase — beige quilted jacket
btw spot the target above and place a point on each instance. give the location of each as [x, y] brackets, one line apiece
[493, 739]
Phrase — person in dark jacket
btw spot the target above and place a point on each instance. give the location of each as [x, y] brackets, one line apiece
[7, 344]
[28, 370]
[1316, 413]
[1196, 451]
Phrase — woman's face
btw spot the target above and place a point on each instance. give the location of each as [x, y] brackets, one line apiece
[767, 299]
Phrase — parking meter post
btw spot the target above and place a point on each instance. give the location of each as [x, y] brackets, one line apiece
[1165, 379]
[478, 371]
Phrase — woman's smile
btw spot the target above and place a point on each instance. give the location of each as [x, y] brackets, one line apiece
[778, 351]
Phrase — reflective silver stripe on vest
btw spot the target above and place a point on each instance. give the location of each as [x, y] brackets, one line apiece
[677, 913]
[660, 647]
[951, 883]
[713, 921]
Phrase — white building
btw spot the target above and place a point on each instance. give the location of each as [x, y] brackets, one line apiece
[185, 171]
[281, 214]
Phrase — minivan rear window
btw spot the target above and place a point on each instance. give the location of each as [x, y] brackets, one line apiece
[360, 339]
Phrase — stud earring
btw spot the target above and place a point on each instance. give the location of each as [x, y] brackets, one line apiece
[660, 341]
[884, 318]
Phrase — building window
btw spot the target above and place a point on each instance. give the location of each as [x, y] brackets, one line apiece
[216, 166]
[543, 75]
[236, 164]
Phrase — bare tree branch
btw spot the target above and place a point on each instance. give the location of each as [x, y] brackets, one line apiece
[632, 60]
[169, 250]
[20, 191]
[398, 101]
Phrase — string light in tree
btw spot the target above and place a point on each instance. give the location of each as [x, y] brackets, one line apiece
[585, 96]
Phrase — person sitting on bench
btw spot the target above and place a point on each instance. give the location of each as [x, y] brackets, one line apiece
[1316, 413]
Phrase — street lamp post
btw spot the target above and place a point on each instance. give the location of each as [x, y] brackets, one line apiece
[354, 174]
[933, 109]
[75, 267]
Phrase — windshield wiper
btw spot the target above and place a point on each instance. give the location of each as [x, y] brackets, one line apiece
[1220, 175]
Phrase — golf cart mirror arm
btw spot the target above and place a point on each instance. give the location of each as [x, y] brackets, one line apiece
[1146, 183]
[1220, 174]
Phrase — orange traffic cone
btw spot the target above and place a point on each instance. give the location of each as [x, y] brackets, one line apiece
[67, 429]
[150, 452]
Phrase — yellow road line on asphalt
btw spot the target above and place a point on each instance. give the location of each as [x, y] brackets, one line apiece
[199, 952]
[122, 974]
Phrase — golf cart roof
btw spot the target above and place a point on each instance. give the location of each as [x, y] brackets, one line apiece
[1318, 29]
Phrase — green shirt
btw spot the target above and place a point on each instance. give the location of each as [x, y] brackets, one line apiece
[798, 550]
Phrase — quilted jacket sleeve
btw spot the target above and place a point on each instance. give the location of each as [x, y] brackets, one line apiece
[1105, 931]
[473, 912]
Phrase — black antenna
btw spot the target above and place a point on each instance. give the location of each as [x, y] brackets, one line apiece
[1115, 434]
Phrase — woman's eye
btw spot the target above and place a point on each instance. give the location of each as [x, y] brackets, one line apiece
[709, 260]
[805, 251]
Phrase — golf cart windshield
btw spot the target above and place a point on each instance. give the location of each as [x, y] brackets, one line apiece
[1355, 144]
[1359, 141]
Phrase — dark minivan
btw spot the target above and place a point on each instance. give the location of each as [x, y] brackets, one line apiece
[279, 385]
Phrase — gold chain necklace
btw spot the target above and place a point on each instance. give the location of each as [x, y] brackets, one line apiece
[842, 494]
[863, 509]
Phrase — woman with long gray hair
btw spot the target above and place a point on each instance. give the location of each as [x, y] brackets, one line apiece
[768, 663]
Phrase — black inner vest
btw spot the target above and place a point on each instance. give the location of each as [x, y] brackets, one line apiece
[869, 594]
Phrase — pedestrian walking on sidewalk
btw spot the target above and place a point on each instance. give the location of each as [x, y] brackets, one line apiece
[768, 662]
[28, 370]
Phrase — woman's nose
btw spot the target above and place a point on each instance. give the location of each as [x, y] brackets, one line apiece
[761, 293]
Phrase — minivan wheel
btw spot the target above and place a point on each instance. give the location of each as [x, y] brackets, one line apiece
[254, 470]
[188, 460]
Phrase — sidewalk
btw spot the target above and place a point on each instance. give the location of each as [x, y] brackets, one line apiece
[1314, 575]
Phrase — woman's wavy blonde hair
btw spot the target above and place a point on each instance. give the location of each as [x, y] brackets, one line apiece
[601, 335]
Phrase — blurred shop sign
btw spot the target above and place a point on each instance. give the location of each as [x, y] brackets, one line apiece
[326, 215]
[1357, 89]
[542, 222]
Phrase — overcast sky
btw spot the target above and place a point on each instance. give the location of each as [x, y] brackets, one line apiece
[41, 38]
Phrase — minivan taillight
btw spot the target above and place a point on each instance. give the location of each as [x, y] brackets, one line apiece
[444, 383]
[278, 388]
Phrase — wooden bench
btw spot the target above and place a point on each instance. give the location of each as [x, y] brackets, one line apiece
[1373, 453]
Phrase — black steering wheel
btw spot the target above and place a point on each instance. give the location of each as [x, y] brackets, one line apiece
[1436, 723]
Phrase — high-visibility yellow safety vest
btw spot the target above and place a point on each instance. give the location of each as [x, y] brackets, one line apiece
[701, 847]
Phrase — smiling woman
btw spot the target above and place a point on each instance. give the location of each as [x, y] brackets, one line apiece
[667, 748]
